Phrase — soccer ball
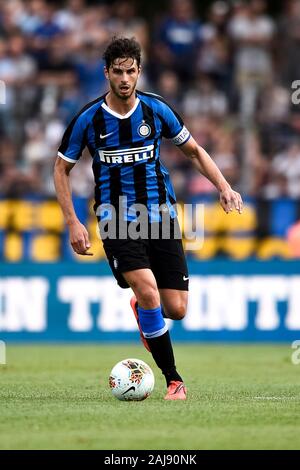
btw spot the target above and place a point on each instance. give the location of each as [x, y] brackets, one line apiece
[131, 380]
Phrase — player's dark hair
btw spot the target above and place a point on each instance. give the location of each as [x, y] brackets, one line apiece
[122, 48]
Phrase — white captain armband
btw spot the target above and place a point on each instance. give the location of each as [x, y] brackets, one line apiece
[182, 137]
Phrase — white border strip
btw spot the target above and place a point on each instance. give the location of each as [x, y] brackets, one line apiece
[61, 155]
[120, 116]
[157, 333]
[128, 151]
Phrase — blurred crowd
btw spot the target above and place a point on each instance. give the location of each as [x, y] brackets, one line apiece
[232, 74]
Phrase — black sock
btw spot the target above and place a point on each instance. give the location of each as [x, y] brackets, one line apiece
[162, 352]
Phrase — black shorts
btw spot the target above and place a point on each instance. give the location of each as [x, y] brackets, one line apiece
[165, 258]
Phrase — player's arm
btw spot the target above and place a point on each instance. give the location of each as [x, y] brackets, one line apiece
[79, 237]
[229, 199]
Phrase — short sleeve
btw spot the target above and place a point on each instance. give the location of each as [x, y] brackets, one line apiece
[173, 126]
[73, 141]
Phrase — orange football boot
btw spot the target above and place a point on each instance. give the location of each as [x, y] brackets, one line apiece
[176, 391]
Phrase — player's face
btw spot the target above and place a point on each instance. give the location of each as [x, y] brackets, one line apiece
[122, 76]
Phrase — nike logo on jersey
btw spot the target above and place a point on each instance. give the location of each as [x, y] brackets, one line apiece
[105, 135]
[131, 155]
[185, 278]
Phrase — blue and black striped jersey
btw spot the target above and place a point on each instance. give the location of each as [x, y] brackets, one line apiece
[126, 150]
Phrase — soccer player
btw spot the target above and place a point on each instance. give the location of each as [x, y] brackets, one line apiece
[123, 130]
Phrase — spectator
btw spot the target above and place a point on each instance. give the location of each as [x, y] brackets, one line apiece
[204, 99]
[178, 39]
[251, 31]
[285, 173]
[289, 42]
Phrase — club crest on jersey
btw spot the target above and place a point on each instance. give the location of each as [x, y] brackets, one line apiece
[144, 130]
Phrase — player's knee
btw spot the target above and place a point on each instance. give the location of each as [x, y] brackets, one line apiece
[148, 297]
[177, 312]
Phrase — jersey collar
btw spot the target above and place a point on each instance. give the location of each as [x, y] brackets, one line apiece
[121, 116]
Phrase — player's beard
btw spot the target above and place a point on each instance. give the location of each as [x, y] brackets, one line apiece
[119, 95]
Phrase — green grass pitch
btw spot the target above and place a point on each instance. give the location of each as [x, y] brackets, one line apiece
[239, 397]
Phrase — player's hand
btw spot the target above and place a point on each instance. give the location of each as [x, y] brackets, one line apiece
[79, 239]
[230, 200]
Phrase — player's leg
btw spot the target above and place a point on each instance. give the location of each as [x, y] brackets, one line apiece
[152, 323]
[143, 284]
[169, 267]
[131, 257]
[174, 303]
